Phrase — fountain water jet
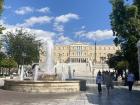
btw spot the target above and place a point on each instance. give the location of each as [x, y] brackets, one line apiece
[36, 73]
[48, 66]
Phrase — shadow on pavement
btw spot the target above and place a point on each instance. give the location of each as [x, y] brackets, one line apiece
[117, 96]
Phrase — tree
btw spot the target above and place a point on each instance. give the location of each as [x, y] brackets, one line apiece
[113, 59]
[1, 9]
[137, 3]
[122, 65]
[22, 46]
[2, 56]
[1, 27]
[1, 6]
[125, 22]
[8, 63]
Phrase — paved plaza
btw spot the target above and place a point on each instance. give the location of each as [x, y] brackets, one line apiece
[119, 96]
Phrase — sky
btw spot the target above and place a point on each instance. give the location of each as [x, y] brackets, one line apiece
[63, 21]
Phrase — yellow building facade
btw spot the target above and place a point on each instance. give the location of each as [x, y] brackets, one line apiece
[83, 53]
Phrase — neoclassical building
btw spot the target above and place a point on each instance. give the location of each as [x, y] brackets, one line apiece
[83, 53]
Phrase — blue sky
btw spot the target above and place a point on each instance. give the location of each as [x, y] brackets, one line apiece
[64, 21]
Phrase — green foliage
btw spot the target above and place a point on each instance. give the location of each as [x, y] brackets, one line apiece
[8, 63]
[1, 27]
[2, 56]
[1, 5]
[122, 65]
[114, 59]
[137, 3]
[22, 46]
[125, 24]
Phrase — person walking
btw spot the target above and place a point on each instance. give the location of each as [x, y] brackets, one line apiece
[99, 80]
[108, 81]
[130, 80]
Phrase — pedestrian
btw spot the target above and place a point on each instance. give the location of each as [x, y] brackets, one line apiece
[99, 80]
[109, 81]
[130, 80]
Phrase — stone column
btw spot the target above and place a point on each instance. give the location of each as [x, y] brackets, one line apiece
[138, 46]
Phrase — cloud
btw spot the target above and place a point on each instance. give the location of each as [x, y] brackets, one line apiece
[96, 35]
[83, 27]
[65, 18]
[63, 40]
[58, 27]
[24, 10]
[60, 20]
[36, 20]
[43, 35]
[80, 33]
[40, 34]
[27, 9]
[7, 7]
[44, 10]
[2, 21]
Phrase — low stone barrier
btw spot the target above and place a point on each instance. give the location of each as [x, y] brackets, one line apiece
[43, 86]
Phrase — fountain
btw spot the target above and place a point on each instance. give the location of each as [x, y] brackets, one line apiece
[47, 67]
[44, 79]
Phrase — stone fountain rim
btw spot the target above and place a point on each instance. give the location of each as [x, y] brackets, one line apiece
[31, 81]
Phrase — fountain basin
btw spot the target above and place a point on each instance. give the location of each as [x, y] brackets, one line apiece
[83, 86]
[42, 86]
